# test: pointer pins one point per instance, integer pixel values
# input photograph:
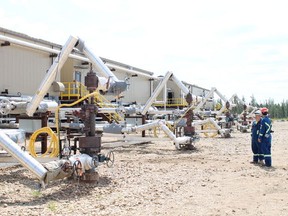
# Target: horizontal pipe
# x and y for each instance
(132, 72)
(87, 162)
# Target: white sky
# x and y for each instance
(236, 46)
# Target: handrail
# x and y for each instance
(101, 101)
(174, 102)
(75, 90)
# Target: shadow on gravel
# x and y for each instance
(159, 151)
(65, 189)
(268, 169)
(19, 176)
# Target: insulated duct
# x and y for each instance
(23, 157)
(51, 75)
(96, 61)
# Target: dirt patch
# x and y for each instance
(156, 179)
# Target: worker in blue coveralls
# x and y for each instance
(258, 155)
(265, 136)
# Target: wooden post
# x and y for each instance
(143, 122)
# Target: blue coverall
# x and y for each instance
(265, 139)
(256, 146)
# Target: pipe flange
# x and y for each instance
(5, 106)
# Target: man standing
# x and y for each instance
(258, 155)
(265, 136)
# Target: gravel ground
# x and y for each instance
(156, 179)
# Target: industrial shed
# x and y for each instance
(22, 70)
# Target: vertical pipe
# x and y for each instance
(165, 96)
(143, 123)
(92, 117)
(44, 120)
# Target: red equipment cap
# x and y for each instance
(264, 110)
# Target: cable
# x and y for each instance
(53, 147)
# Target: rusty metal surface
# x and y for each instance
(91, 81)
(90, 177)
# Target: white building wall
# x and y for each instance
(138, 90)
(22, 69)
(199, 91)
(171, 87)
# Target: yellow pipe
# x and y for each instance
(69, 105)
(54, 145)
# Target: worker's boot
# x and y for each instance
(261, 163)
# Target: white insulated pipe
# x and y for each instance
(180, 84)
(109, 110)
(200, 105)
(160, 123)
(251, 114)
(20, 107)
(160, 112)
(132, 72)
(140, 127)
(51, 75)
(208, 120)
(156, 92)
(16, 99)
(177, 140)
(27, 44)
(220, 95)
(87, 162)
(225, 101)
(23, 157)
(165, 95)
(166, 130)
(212, 121)
(96, 61)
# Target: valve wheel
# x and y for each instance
(110, 158)
(5, 106)
(77, 169)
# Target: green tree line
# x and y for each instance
(276, 110)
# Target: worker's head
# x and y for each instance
(264, 111)
(258, 114)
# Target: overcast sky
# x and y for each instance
(236, 46)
